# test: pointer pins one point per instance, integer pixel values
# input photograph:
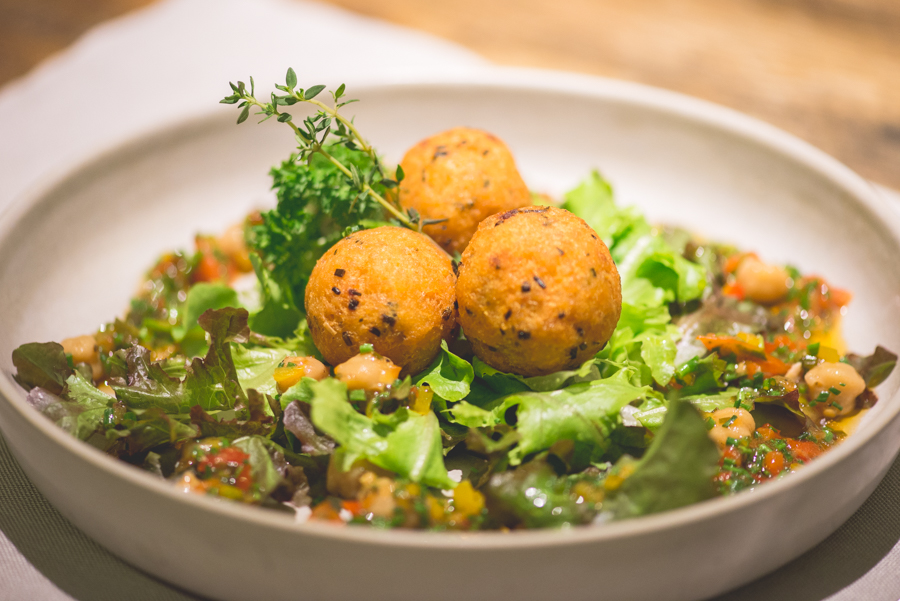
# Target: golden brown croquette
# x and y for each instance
(538, 291)
(462, 175)
(389, 287)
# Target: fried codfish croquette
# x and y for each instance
(389, 287)
(538, 291)
(462, 175)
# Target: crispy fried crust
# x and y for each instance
(389, 287)
(463, 175)
(538, 291)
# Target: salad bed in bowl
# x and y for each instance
(370, 405)
(69, 255)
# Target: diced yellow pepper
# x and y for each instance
(287, 376)
(422, 401)
(467, 500)
(614, 481)
(436, 509)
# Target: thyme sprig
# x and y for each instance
(313, 132)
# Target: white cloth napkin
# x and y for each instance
(172, 60)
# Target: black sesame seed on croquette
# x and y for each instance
(402, 276)
(561, 317)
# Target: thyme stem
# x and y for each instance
(310, 143)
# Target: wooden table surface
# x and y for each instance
(825, 70)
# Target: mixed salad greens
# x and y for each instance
(200, 383)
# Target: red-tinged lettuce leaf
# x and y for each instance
(146, 384)
(72, 417)
(298, 423)
(209, 425)
(83, 411)
(147, 430)
(212, 382)
(874, 368)
(42, 364)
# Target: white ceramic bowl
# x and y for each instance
(72, 253)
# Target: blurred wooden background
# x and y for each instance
(826, 70)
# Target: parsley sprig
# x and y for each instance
(313, 132)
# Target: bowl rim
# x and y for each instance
(524, 80)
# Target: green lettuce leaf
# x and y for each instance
(654, 274)
(406, 443)
(279, 315)
(448, 375)
(677, 470)
(200, 298)
(584, 413)
(653, 414)
(148, 429)
(93, 404)
(511, 497)
(506, 383)
(265, 475)
(255, 366)
(41, 364)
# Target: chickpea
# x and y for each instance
(377, 495)
(761, 282)
(84, 350)
(731, 423)
(793, 373)
(368, 372)
(294, 369)
(828, 377)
